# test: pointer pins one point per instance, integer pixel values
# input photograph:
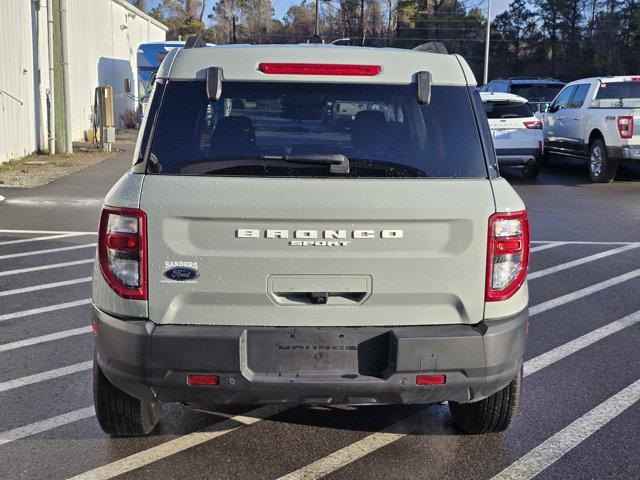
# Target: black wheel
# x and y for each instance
(119, 414)
(601, 168)
(533, 170)
(493, 414)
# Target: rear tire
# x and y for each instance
(493, 414)
(601, 168)
(532, 171)
(119, 414)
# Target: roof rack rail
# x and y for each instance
(432, 47)
(195, 41)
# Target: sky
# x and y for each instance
(281, 6)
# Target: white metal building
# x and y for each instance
(103, 38)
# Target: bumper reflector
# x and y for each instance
(431, 379)
(202, 379)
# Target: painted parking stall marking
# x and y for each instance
(20, 271)
(28, 342)
(569, 437)
(50, 308)
(44, 376)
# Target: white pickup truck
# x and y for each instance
(599, 119)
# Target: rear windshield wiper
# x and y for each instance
(338, 163)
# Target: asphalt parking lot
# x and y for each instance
(580, 412)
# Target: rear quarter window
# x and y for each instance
(618, 90)
(256, 126)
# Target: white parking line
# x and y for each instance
(558, 353)
(547, 246)
(359, 449)
(179, 444)
(46, 425)
(52, 232)
(44, 338)
(46, 267)
(40, 239)
(584, 292)
(50, 250)
(50, 308)
(44, 376)
(581, 261)
(56, 201)
(549, 451)
(45, 286)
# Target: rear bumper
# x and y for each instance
(517, 157)
(627, 152)
(309, 365)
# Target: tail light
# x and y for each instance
(320, 69)
(535, 124)
(122, 251)
(625, 126)
(507, 255)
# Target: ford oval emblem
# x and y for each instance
(181, 273)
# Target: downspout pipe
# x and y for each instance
(52, 106)
(68, 143)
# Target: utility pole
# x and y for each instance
(64, 31)
(486, 45)
(317, 32)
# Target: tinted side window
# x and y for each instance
(563, 98)
(617, 90)
(579, 97)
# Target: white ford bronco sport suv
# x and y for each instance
(256, 254)
(597, 118)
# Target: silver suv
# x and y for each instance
(256, 253)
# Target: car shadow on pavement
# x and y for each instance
(431, 419)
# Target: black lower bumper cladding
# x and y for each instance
(309, 365)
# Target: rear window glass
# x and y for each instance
(617, 90)
(264, 128)
(536, 92)
(507, 110)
